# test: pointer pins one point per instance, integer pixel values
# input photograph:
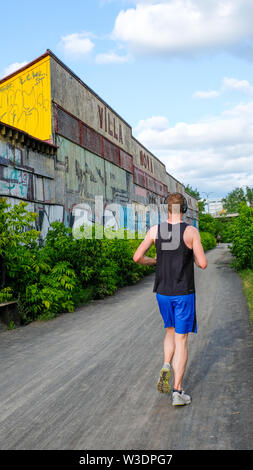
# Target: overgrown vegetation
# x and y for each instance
(208, 240)
(232, 201)
(66, 271)
(237, 231)
(241, 235)
(247, 280)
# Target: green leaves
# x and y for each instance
(208, 240)
(241, 233)
(62, 272)
(233, 200)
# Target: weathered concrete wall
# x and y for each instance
(29, 175)
(75, 107)
(74, 96)
(25, 173)
(70, 93)
(97, 156)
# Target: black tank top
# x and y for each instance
(174, 273)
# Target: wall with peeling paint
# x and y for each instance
(87, 132)
(97, 154)
(28, 175)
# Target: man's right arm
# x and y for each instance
(199, 254)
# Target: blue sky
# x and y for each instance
(178, 71)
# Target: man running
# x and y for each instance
(178, 246)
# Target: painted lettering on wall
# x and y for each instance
(146, 161)
(109, 124)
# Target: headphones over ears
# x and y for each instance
(185, 206)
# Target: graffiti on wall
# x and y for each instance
(15, 182)
(47, 213)
(25, 100)
(9, 152)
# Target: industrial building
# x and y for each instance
(213, 206)
(61, 146)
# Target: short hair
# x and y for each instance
(175, 198)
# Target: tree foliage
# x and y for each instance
(232, 201)
(65, 272)
(241, 232)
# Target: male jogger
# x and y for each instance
(178, 246)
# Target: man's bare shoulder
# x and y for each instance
(190, 234)
(153, 232)
(191, 230)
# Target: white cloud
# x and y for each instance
(237, 85)
(112, 58)
(228, 84)
(155, 122)
(13, 67)
(77, 44)
(214, 153)
(206, 94)
(184, 26)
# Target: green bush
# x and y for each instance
(207, 223)
(241, 234)
(247, 280)
(208, 240)
(64, 271)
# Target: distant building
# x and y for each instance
(213, 206)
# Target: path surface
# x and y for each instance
(87, 380)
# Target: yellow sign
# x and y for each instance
(25, 100)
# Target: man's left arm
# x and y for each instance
(139, 255)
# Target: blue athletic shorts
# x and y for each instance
(178, 311)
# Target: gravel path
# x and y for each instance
(87, 380)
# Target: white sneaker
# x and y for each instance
(180, 398)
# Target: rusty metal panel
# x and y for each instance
(90, 139)
(126, 161)
(68, 126)
(139, 177)
(150, 183)
(159, 189)
(111, 152)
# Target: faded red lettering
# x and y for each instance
(109, 125)
(141, 157)
(120, 134)
(105, 121)
(100, 112)
(114, 129)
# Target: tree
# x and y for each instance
(195, 193)
(232, 201)
(249, 195)
(241, 231)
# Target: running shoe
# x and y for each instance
(163, 383)
(180, 398)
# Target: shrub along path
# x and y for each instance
(87, 380)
